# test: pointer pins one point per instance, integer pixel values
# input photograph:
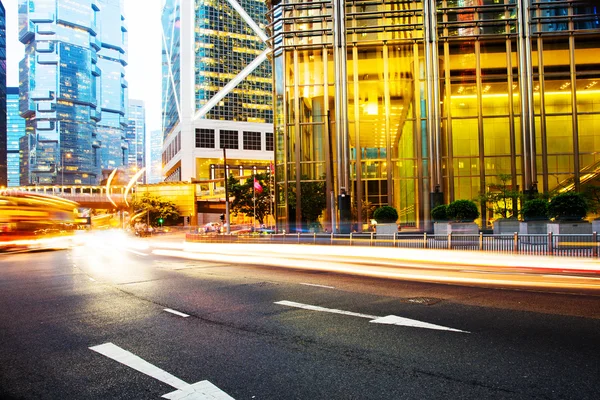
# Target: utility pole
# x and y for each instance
(226, 192)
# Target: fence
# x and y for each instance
(546, 244)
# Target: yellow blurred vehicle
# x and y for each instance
(27, 219)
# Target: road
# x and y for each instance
(108, 321)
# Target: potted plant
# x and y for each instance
(460, 215)
(501, 200)
(535, 217)
(439, 215)
(567, 210)
(386, 217)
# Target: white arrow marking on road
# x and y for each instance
(388, 320)
(203, 390)
(176, 312)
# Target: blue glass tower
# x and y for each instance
(136, 136)
(3, 177)
(72, 89)
(15, 129)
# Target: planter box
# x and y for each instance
(533, 227)
(386, 229)
(570, 228)
(460, 228)
(506, 225)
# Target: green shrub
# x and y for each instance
(462, 211)
(385, 215)
(440, 213)
(570, 206)
(535, 210)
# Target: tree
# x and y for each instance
(313, 201)
(243, 194)
(592, 195)
(502, 200)
(156, 208)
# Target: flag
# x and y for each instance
(257, 187)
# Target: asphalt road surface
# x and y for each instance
(102, 321)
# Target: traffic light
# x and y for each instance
(222, 217)
(160, 221)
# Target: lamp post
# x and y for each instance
(62, 167)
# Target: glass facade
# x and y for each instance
(72, 89)
(226, 44)
(155, 171)
(377, 110)
(3, 134)
(15, 129)
(136, 136)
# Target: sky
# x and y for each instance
(144, 70)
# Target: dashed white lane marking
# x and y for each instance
(388, 320)
(315, 285)
(176, 312)
(137, 252)
(203, 390)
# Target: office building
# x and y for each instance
(3, 155)
(414, 104)
(217, 91)
(15, 129)
(73, 91)
(154, 171)
(136, 137)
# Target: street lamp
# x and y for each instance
(62, 167)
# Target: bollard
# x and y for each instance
(350, 238)
(424, 240)
(450, 241)
(515, 242)
(480, 240)
(550, 250)
(595, 248)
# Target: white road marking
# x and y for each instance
(203, 390)
(394, 320)
(137, 252)
(92, 279)
(389, 320)
(321, 286)
(176, 312)
(322, 309)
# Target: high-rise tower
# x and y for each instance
(72, 89)
(15, 129)
(136, 136)
(216, 88)
(3, 170)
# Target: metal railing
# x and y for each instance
(544, 244)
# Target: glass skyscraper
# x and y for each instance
(416, 103)
(3, 169)
(217, 90)
(15, 129)
(73, 91)
(154, 171)
(136, 136)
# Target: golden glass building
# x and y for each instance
(412, 103)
